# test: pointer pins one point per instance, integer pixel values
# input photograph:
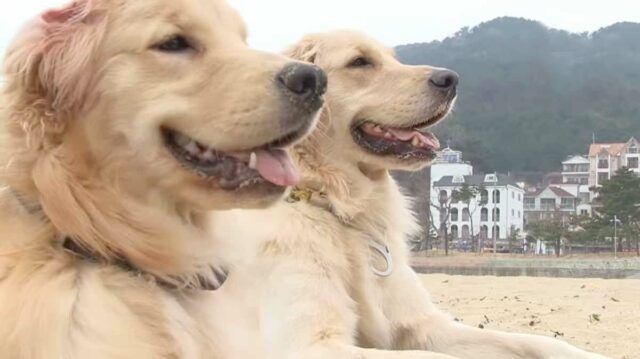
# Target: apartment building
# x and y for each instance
(607, 158)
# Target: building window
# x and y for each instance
(513, 195)
(519, 214)
(454, 215)
(548, 204)
(495, 232)
(603, 163)
(633, 149)
(496, 196)
(465, 232)
(484, 232)
(529, 203)
(519, 197)
(632, 162)
(465, 215)
(567, 203)
(584, 212)
(496, 214)
(584, 180)
(491, 178)
(603, 177)
(484, 215)
(454, 232)
(513, 213)
(484, 196)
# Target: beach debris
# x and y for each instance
(534, 320)
(615, 300)
(486, 321)
(557, 334)
(594, 317)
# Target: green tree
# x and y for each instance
(551, 231)
(513, 238)
(619, 198)
(443, 206)
(469, 194)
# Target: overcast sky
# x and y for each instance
(274, 24)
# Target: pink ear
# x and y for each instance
(58, 15)
(65, 14)
(53, 56)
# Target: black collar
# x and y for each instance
(72, 247)
(201, 283)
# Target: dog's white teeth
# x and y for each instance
(389, 136)
(208, 155)
(253, 161)
(415, 142)
(192, 147)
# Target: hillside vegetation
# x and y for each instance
(531, 95)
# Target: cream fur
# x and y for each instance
(305, 288)
(86, 96)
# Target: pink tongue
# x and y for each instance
(403, 135)
(276, 167)
(426, 139)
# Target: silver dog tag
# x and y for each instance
(384, 251)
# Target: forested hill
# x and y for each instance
(531, 95)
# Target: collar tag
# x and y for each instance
(384, 251)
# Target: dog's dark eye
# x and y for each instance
(174, 44)
(359, 62)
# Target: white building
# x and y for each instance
(496, 211)
(575, 170)
(551, 202)
(449, 163)
(606, 158)
(575, 180)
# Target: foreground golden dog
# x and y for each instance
(127, 120)
(328, 275)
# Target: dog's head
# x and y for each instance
(162, 98)
(377, 108)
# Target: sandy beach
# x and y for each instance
(596, 314)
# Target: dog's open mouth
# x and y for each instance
(403, 143)
(266, 165)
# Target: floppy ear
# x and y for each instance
(306, 50)
(48, 66)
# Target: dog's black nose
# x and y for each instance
(444, 80)
(307, 81)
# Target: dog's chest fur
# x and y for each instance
(388, 221)
(57, 306)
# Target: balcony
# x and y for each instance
(575, 168)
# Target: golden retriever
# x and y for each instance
(126, 121)
(327, 276)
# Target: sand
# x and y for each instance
(595, 314)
